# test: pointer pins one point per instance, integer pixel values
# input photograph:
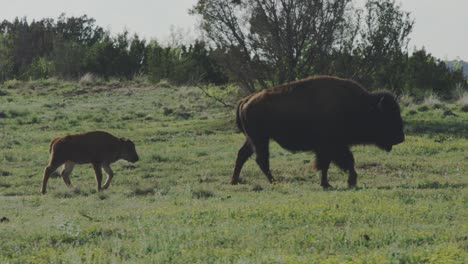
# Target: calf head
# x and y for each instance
(128, 151)
(389, 123)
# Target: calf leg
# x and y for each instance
(66, 172)
(345, 160)
(263, 156)
(322, 163)
(98, 172)
(53, 165)
(242, 156)
(110, 175)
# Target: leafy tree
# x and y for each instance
(39, 68)
(121, 59)
(160, 61)
(182, 64)
(31, 46)
(137, 55)
(99, 57)
(383, 45)
(268, 42)
(204, 60)
(426, 74)
(274, 41)
(195, 64)
(82, 30)
(27, 42)
(67, 59)
(6, 63)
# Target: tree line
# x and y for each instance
(255, 43)
(70, 47)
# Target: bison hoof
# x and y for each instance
(327, 186)
(234, 182)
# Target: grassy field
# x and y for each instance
(175, 205)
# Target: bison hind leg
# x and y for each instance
(242, 156)
(66, 172)
(51, 168)
(110, 175)
(345, 160)
(263, 157)
(98, 171)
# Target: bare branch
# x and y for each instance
(213, 97)
(197, 82)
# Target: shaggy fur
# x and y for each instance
(323, 114)
(96, 147)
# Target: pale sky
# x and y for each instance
(441, 26)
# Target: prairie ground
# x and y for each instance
(175, 205)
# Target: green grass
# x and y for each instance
(175, 204)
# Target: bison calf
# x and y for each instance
(324, 114)
(96, 147)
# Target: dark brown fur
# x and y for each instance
(323, 114)
(96, 147)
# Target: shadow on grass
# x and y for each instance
(202, 194)
(455, 128)
(420, 186)
(427, 185)
(71, 193)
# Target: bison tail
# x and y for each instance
(240, 110)
(52, 144)
(238, 117)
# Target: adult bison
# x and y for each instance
(325, 115)
(96, 147)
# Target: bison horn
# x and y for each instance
(381, 103)
(378, 107)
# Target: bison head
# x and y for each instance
(388, 121)
(128, 150)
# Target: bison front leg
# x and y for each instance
(242, 156)
(345, 160)
(98, 172)
(47, 172)
(110, 175)
(322, 163)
